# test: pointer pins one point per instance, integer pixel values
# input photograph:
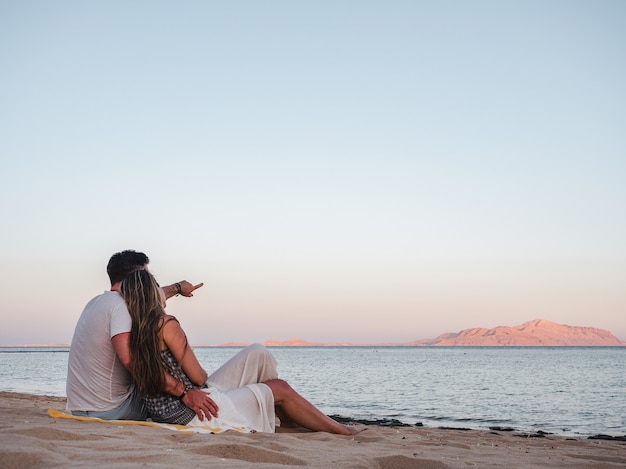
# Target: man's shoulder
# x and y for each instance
(107, 297)
(108, 301)
(106, 312)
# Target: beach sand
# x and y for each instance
(29, 438)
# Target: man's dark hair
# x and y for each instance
(125, 262)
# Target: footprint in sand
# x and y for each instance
(52, 434)
(404, 462)
(17, 459)
(250, 454)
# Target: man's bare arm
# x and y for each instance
(195, 399)
(183, 287)
(121, 344)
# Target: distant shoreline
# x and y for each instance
(65, 348)
(535, 333)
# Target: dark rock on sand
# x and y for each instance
(607, 437)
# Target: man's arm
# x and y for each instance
(122, 348)
(195, 399)
(180, 288)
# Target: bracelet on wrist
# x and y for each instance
(178, 288)
(187, 388)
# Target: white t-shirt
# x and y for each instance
(96, 379)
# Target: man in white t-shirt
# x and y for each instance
(98, 381)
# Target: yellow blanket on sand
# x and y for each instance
(57, 414)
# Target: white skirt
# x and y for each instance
(244, 402)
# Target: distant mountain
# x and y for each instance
(290, 343)
(533, 333)
(279, 343)
(538, 332)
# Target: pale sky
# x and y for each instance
(352, 171)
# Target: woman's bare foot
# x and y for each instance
(354, 431)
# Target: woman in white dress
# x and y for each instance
(246, 389)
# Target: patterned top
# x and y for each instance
(166, 408)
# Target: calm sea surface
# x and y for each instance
(577, 391)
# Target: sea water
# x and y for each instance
(577, 391)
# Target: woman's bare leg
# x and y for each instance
(302, 412)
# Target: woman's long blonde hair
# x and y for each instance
(142, 295)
